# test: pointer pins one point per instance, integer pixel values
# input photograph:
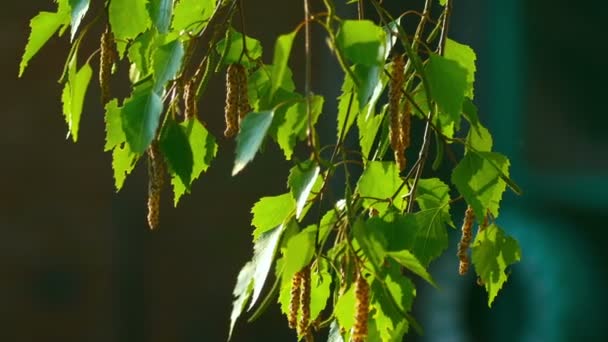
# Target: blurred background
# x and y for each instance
(77, 262)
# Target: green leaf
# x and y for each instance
(235, 50)
(492, 252)
(299, 252)
(320, 290)
(264, 252)
(175, 147)
(465, 56)
(368, 129)
(469, 111)
(344, 310)
(480, 139)
(140, 118)
(167, 63)
(242, 291)
(367, 81)
(478, 179)
(431, 194)
(44, 25)
(380, 181)
(139, 54)
(302, 178)
(204, 149)
(389, 302)
(408, 260)
(282, 50)
(73, 95)
(348, 107)
(362, 42)
(79, 10)
(252, 133)
(270, 212)
(114, 132)
(123, 162)
(161, 12)
(448, 83)
(372, 242)
(189, 14)
(128, 18)
(295, 124)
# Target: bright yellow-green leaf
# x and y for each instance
(191, 14)
(433, 194)
(235, 53)
(282, 50)
(73, 95)
(408, 260)
(448, 83)
(295, 124)
(114, 132)
(270, 212)
(128, 18)
(345, 309)
(362, 42)
(123, 162)
(380, 181)
(465, 56)
(302, 178)
(299, 252)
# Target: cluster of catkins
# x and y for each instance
(300, 302)
(237, 102)
(156, 180)
(400, 116)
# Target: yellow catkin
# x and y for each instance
(394, 100)
(404, 134)
(294, 303)
(465, 241)
(243, 101)
(231, 110)
(361, 309)
(190, 107)
(156, 171)
(106, 60)
(304, 302)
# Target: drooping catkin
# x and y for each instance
(231, 110)
(107, 56)
(304, 302)
(361, 309)
(294, 303)
(243, 101)
(190, 107)
(156, 171)
(465, 241)
(404, 133)
(394, 100)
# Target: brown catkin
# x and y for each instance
(190, 107)
(361, 309)
(294, 303)
(465, 241)
(394, 100)
(156, 171)
(231, 110)
(304, 302)
(243, 101)
(107, 56)
(404, 133)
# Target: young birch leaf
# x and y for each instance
(282, 50)
(123, 162)
(465, 56)
(478, 179)
(79, 10)
(344, 311)
(423, 233)
(299, 252)
(235, 50)
(480, 139)
(161, 12)
(190, 14)
(368, 78)
(320, 290)
(167, 63)
(252, 133)
(362, 42)
(270, 212)
(295, 124)
(175, 147)
(432, 193)
(264, 251)
(302, 178)
(114, 132)
(380, 181)
(492, 252)
(242, 293)
(408, 260)
(128, 18)
(400, 291)
(348, 107)
(448, 83)
(204, 149)
(44, 25)
(73, 95)
(140, 119)
(372, 242)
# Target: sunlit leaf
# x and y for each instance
(299, 252)
(465, 56)
(270, 212)
(190, 14)
(115, 135)
(167, 63)
(235, 53)
(294, 126)
(348, 107)
(128, 18)
(161, 12)
(140, 119)
(372, 242)
(282, 50)
(252, 133)
(345, 309)
(380, 181)
(73, 95)
(448, 82)
(302, 178)
(362, 42)
(264, 251)
(408, 260)
(123, 162)
(242, 292)
(79, 10)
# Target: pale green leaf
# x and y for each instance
(362, 42)
(114, 132)
(270, 212)
(465, 56)
(348, 107)
(44, 25)
(493, 252)
(242, 292)
(390, 301)
(128, 18)
(167, 63)
(253, 131)
(368, 77)
(478, 179)
(175, 147)
(73, 95)
(190, 14)
(235, 53)
(408, 260)
(344, 310)
(140, 119)
(282, 50)
(320, 290)
(380, 181)
(368, 129)
(161, 12)
(302, 178)
(294, 126)
(299, 252)
(79, 10)
(479, 139)
(264, 251)
(431, 194)
(448, 83)
(123, 162)
(204, 149)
